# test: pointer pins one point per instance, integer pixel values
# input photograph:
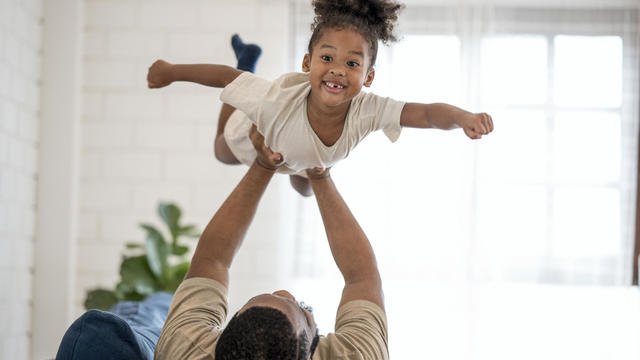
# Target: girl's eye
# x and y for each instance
(352, 63)
(325, 58)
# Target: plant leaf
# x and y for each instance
(123, 289)
(132, 245)
(136, 273)
(189, 230)
(134, 296)
(157, 252)
(152, 231)
(100, 299)
(179, 250)
(170, 214)
(176, 275)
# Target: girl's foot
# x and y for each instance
(247, 54)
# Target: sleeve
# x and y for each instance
(197, 312)
(382, 113)
(360, 333)
(246, 93)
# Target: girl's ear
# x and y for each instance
(306, 63)
(370, 75)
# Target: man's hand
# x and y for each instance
(159, 74)
(266, 158)
(318, 173)
(476, 125)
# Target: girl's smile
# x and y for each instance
(338, 68)
(333, 86)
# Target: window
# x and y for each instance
(548, 198)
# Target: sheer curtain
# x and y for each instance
(547, 199)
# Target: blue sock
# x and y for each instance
(247, 54)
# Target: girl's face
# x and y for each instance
(338, 67)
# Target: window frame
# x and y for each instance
(471, 23)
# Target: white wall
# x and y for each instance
(55, 246)
(137, 147)
(20, 58)
(140, 146)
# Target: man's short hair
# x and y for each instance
(261, 333)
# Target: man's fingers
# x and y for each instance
(256, 138)
(276, 158)
(317, 173)
(264, 152)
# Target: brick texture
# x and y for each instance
(142, 146)
(20, 62)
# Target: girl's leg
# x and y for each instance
(301, 185)
(247, 56)
(220, 147)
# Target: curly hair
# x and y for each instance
(261, 333)
(375, 20)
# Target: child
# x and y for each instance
(315, 118)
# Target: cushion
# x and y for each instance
(130, 330)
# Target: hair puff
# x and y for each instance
(379, 16)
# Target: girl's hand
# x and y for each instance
(476, 125)
(265, 158)
(159, 74)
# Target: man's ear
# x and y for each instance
(306, 63)
(370, 75)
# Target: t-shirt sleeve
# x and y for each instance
(247, 93)
(378, 112)
(197, 312)
(360, 333)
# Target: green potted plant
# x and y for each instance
(155, 265)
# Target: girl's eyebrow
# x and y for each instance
(354, 52)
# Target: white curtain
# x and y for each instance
(548, 198)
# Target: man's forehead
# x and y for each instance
(289, 307)
(271, 300)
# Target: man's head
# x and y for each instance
(269, 326)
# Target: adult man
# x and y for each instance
(275, 326)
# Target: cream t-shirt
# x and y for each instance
(199, 308)
(279, 111)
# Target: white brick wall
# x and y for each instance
(20, 62)
(140, 146)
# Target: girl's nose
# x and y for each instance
(338, 71)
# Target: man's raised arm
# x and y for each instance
(223, 235)
(350, 247)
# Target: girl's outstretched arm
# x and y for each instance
(446, 117)
(163, 73)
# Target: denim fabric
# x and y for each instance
(130, 330)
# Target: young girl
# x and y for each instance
(314, 119)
